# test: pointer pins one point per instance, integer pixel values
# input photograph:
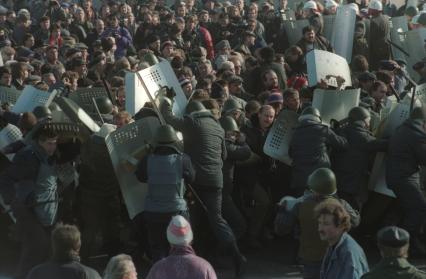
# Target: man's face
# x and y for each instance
(205, 69)
(49, 145)
(235, 88)
(327, 229)
(45, 24)
(168, 50)
(250, 40)
(6, 79)
(100, 26)
(155, 46)
(187, 89)
(292, 102)
(277, 107)
(380, 93)
(266, 118)
(271, 80)
(309, 36)
(52, 55)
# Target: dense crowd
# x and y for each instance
(211, 190)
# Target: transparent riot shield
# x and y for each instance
(32, 97)
(343, 32)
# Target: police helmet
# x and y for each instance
(322, 181)
(42, 112)
(194, 106)
(104, 104)
(418, 113)
(229, 124)
(358, 114)
(231, 105)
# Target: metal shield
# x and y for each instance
(154, 77)
(414, 45)
(278, 140)
(343, 32)
(294, 28)
(335, 104)
(329, 21)
(322, 64)
(121, 143)
(9, 95)
(76, 113)
(377, 182)
(83, 97)
(8, 135)
(399, 26)
(395, 118)
(32, 97)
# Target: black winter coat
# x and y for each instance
(352, 165)
(407, 152)
(308, 149)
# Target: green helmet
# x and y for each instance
(104, 104)
(418, 113)
(194, 106)
(358, 114)
(311, 111)
(42, 112)
(411, 11)
(229, 124)
(150, 58)
(231, 105)
(166, 136)
(322, 181)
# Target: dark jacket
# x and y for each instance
(204, 142)
(407, 152)
(395, 268)
(312, 248)
(320, 43)
(254, 79)
(379, 34)
(237, 151)
(308, 149)
(65, 270)
(352, 165)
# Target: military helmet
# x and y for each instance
(54, 107)
(311, 111)
(150, 58)
(42, 112)
(194, 106)
(165, 134)
(411, 11)
(418, 113)
(229, 124)
(104, 104)
(358, 114)
(322, 181)
(231, 105)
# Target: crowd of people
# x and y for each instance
(213, 192)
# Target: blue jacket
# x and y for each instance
(346, 260)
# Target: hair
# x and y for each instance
(4, 70)
(392, 252)
(213, 106)
(334, 208)
(123, 115)
(293, 50)
(289, 92)
(200, 95)
(18, 69)
(70, 75)
(307, 29)
(359, 63)
(252, 106)
(265, 108)
(118, 267)
(66, 242)
(377, 84)
(268, 71)
(267, 54)
(385, 76)
(27, 121)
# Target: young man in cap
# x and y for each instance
(393, 244)
(344, 258)
(182, 263)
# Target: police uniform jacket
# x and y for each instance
(393, 268)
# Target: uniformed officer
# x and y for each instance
(407, 152)
(165, 170)
(393, 243)
(308, 147)
(351, 165)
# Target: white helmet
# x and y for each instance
(375, 5)
(310, 5)
(330, 3)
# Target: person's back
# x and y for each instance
(71, 269)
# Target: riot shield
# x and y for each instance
(343, 32)
(32, 97)
(76, 113)
(121, 143)
(8, 135)
(154, 77)
(279, 136)
(395, 118)
(335, 104)
(329, 21)
(83, 97)
(9, 95)
(399, 26)
(414, 45)
(294, 29)
(322, 64)
(377, 182)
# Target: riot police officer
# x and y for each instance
(351, 165)
(407, 152)
(308, 147)
(165, 170)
